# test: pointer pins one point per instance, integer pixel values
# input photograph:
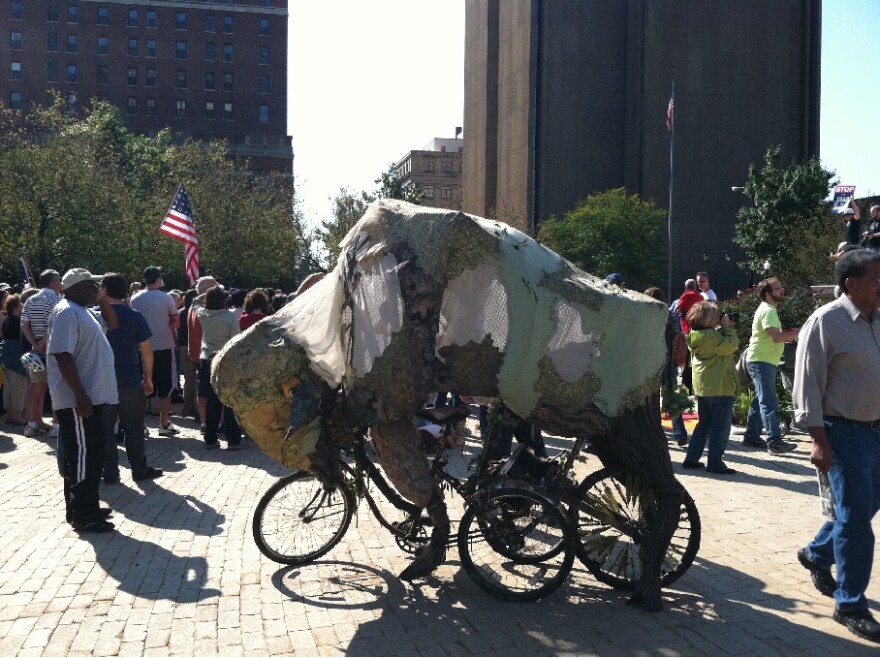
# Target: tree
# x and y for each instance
(392, 187)
(611, 232)
(348, 208)
(788, 223)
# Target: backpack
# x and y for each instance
(742, 374)
(679, 349)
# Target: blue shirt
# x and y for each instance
(124, 340)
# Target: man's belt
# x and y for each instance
(868, 424)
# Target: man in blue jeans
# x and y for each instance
(837, 396)
(762, 358)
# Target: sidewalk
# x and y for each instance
(182, 575)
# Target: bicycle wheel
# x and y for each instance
(516, 544)
(297, 521)
(611, 553)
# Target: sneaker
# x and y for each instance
(755, 443)
(93, 526)
(780, 447)
(860, 623)
(34, 431)
(149, 474)
(168, 430)
(822, 578)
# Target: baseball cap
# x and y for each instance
(615, 278)
(77, 275)
(5, 286)
(849, 211)
(152, 274)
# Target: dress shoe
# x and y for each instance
(149, 474)
(860, 623)
(93, 526)
(688, 464)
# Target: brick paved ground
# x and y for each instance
(183, 576)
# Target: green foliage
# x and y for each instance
(86, 192)
(741, 407)
(348, 208)
(392, 187)
(788, 223)
(611, 232)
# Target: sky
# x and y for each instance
(370, 81)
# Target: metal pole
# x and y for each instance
(669, 213)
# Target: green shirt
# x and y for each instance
(761, 346)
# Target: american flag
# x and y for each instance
(178, 224)
(669, 109)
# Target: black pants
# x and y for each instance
(214, 409)
(132, 410)
(83, 441)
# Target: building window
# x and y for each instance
(132, 105)
(71, 73)
(103, 16)
(227, 82)
(132, 75)
(264, 27)
(460, 166)
(181, 20)
(446, 167)
(446, 193)
(15, 70)
(151, 78)
(228, 23)
(132, 17)
(15, 41)
(151, 107)
(52, 12)
(429, 191)
(180, 108)
(15, 10)
(52, 71)
(151, 19)
(428, 166)
(227, 111)
(51, 42)
(228, 53)
(133, 47)
(180, 50)
(264, 113)
(151, 47)
(265, 84)
(210, 23)
(209, 80)
(102, 74)
(209, 109)
(103, 45)
(180, 79)
(15, 100)
(72, 14)
(210, 51)
(72, 43)
(264, 55)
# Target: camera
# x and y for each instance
(732, 315)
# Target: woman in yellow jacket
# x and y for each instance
(713, 344)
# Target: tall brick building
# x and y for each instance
(565, 98)
(204, 69)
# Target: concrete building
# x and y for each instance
(206, 69)
(565, 98)
(436, 168)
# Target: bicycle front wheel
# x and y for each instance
(609, 521)
(516, 544)
(297, 520)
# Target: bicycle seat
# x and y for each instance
(444, 415)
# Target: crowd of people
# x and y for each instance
(98, 354)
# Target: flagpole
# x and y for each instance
(669, 213)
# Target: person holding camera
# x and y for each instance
(713, 343)
(762, 359)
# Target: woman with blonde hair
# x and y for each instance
(713, 344)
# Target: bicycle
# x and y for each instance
(514, 541)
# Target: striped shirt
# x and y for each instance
(37, 310)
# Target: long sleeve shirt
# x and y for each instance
(837, 368)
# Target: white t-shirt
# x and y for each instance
(157, 308)
(76, 330)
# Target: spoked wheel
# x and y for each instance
(297, 521)
(609, 525)
(516, 544)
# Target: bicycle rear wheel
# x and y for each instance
(297, 520)
(611, 554)
(516, 544)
